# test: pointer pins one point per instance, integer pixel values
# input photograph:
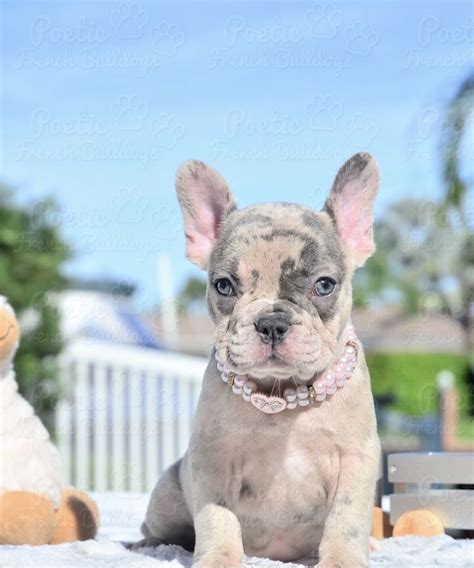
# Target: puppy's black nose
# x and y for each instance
(273, 327)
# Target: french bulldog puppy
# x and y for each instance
(291, 484)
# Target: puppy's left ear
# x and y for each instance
(350, 204)
(205, 201)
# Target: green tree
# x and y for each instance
(452, 138)
(419, 260)
(425, 250)
(454, 127)
(193, 293)
(32, 252)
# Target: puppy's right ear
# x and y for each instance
(205, 201)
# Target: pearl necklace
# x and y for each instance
(325, 385)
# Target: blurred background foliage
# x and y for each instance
(32, 253)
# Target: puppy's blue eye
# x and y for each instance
(224, 287)
(324, 286)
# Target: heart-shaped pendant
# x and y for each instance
(268, 404)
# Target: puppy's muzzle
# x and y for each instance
(273, 327)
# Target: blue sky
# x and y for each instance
(103, 100)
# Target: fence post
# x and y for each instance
(448, 409)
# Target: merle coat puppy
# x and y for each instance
(283, 459)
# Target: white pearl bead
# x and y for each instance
(349, 350)
(249, 387)
(239, 380)
(321, 396)
(331, 389)
(303, 401)
(340, 382)
(246, 397)
(220, 366)
(291, 405)
(236, 389)
(225, 376)
(289, 395)
(343, 359)
(302, 392)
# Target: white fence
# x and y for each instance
(126, 414)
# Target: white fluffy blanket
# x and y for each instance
(121, 514)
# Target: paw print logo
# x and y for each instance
(168, 130)
(427, 122)
(130, 206)
(166, 223)
(324, 21)
(129, 21)
(167, 38)
(361, 40)
(361, 129)
(130, 113)
(324, 112)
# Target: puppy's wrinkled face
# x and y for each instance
(278, 290)
(279, 287)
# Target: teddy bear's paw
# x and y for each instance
(78, 517)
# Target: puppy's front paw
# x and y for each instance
(340, 563)
(342, 560)
(225, 558)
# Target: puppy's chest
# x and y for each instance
(282, 498)
(291, 477)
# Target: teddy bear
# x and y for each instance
(35, 508)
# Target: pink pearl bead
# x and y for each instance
(331, 389)
(320, 397)
(319, 387)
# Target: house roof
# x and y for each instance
(103, 317)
